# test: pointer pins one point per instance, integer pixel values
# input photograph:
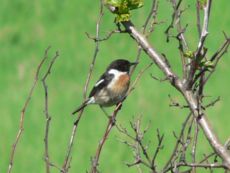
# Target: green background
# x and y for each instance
(26, 30)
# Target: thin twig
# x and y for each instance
(198, 17)
(21, 123)
(47, 115)
(217, 56)
(200, 54)
(194, 146)
(159, 147)
(177, 143)
(204, 32)
(55, 166)
(138, 78)
(176, 104)
(104, 38)
(212, 103)
(65, 166)
(152, 14)
(111, 123)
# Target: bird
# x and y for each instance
(112, 86)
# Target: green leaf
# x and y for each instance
(134, 4)
(122, 18)
(189, 54)
(123, 8)
(202, 3)
(115, 3)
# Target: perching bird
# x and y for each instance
(112, 86)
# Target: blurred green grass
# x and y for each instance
(28, 27)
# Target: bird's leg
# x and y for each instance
(106, 114)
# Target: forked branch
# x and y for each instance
(22, 117)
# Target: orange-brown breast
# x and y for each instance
(121, 84)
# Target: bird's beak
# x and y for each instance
(133, 63)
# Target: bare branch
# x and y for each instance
(216, 57)
(136, 128)
(21, 123)
(175, 16)
(204, 31)
(179, 85)
(109, 127)
(159, 147)
(212, 103)
(104, 38)
(54, 166)
(177, 142)
(198, 24)
(47, 115)
(211, 165)
(176, 104)
(157, 79)
(152, 14)
(65, 166)
(194, 146)
(138, 78)
(200, 53)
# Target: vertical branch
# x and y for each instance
(199, 54)
(198, 17)
(47, 115)
(21, 123)
(136, 144)
(159, 146)
(175, 150)
(111, 123)
(194, 146)
(177, 19)
(183, 45)
(204, 32)
(65, 166)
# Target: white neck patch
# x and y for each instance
(116, 74)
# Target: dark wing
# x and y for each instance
(101, 83)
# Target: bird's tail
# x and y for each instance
(84, 104)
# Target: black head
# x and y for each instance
(121, 65)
